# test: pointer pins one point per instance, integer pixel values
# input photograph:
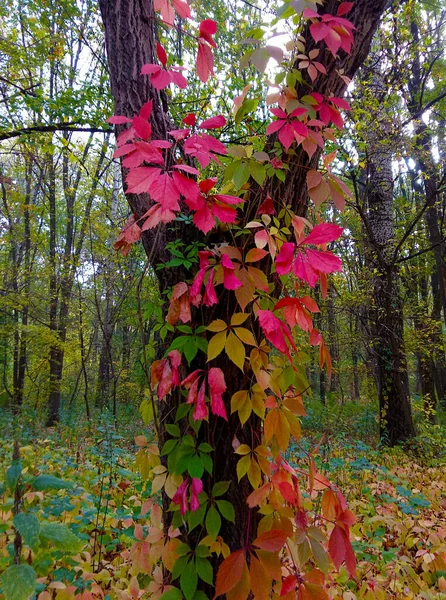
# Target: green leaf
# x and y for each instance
(204, 570)
(207, 463)
(168, 447)
(200, 596)
(196, 517)
(62, 537)
(320, 556)
(179, 566)
(13, 474)
(213, 522)
(202, 551)
(18, 582)
(195, 467)
(257, 171)
(173, 430)
(241, 175)
(220, 488)
(189, 580)
(49, 482)
(226, 509)
(172, 594)
(182, 411)
(182, 549)
(190, 349)
(205, 447)
(29, 527)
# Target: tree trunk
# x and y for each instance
(387, 325)
(130, 42)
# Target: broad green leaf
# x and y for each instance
(13, 473)
(172, 594)
(241, 175)
(195, 466)
(29, 527)
(204, 570)
(18, 582)
(257, 171)
(226, 509)
(168, 447)
(220, 488)
(189, 580)
(173, 430)
(62, 537)
(179, 566)
(196, 517)
(213, 522)
(49, 482)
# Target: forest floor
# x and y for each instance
(83, 495)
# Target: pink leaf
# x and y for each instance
(208, 28)
(217, 387)
(205, 62)
(325, 262)
(118, 120)
(146, 110)
(213, 123)
(161, 80)
(139, 180)
(142, 127)
(344, 8)
(285, 258)
(182, 8)
(323, 234)
(161, 54)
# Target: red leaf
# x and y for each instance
(325, 262)
(230, 572)
(146, 110)
(288, 585)
(161, 54)
(213, 123)
(118, 120)
(142, 127)
(182, 8)
(285, 258)
(208, 28)
(344, 8)
(190, 119)
(323, 234)
(205, 62)
(139, 180)
(271, 541)
(217, 387)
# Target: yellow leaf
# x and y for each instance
(238, 319)
(294, 424)
(245, 335)
(243, 449)
(243, 466)
(254, 474)
(283, 432)
(216, 345)
(245, 411)
(238, 399)
(217, 326)
(235, 350)
(258, 401)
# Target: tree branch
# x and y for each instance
(7, 135)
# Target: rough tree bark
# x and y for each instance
(386, 313)
(130, 35)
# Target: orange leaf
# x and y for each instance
(230, 572)
(243, 587)
(271, 541)
(255, 254)
(261, 582)
(245, 294)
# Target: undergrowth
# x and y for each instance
(82, 492)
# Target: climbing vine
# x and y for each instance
(264, 269)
